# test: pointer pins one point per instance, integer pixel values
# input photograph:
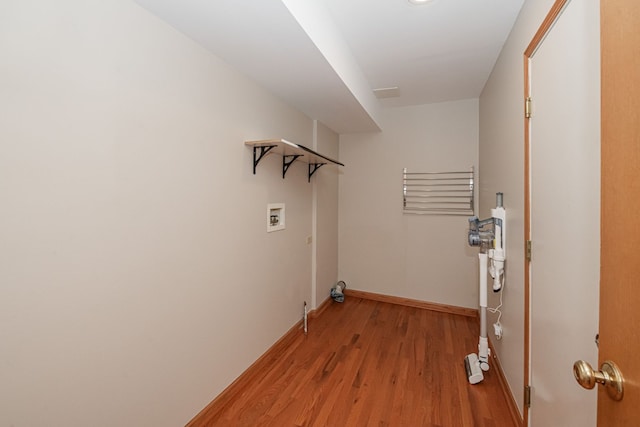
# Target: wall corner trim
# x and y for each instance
(433, 306)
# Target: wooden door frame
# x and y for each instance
(536, 41)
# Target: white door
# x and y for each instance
(565, 215)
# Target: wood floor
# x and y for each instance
(369, 363)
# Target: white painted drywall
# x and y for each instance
(314, 17)
(137, 279)
(385, 251)
(502, 169)
(325, 219)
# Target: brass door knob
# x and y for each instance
(609, 375)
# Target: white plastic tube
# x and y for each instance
(482, 258)
(483, 344)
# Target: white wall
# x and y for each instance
(385, 251)
(325, 216)
(502, 169)
(502, 163)
(137, 279)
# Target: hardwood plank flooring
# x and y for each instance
(370, 363)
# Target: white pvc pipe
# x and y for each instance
(482, 258)
(483, 345)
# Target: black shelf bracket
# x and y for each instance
(313, 167)
(264, 149)
(290, 152)
(287, 160)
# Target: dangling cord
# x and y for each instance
(497, 309)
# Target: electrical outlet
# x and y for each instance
(497, 329)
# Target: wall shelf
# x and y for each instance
(290, 152)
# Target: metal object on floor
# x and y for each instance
(337, 291)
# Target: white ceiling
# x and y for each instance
(326, 57)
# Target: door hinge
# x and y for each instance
(527, 107)
(528, 250)
(527, 396)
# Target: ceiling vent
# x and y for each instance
(387, 92)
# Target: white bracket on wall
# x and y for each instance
(290, 152)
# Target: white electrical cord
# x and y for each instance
(497, 325)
